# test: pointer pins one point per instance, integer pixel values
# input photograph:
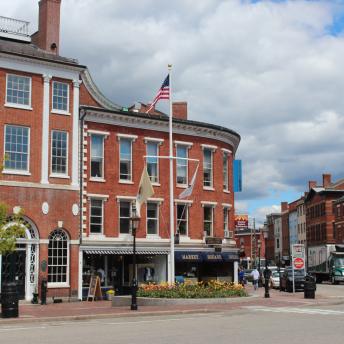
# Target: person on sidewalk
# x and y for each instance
(241, 276)
(255, 277)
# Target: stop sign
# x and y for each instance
(299, 263)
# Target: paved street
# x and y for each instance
(250, 324)
(285, 318)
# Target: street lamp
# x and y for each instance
(267, 272)
(259, 244)
(135, 220)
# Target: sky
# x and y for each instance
(273, 71)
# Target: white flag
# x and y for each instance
(188, 191)
(145, 190)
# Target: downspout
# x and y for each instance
(82, 115)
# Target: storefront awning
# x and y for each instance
(208, 257)
(126, 251)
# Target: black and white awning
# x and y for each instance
(124, 251)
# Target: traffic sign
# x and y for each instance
(299, 263)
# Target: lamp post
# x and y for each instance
(267, 272)
(134, 220)
(259, 244)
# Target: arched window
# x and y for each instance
(58, 257)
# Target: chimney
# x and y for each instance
(48, 35)
(311, 184)
(284, 206)
(326, 180)
(180, 110)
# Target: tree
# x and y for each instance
(11, 228)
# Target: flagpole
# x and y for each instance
(171, 275)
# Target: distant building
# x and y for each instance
(338, 211)
(293, 237)
(285, 233)
(301, 221)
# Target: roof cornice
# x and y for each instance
(95, 92)
(183, 127)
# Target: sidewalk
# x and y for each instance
(103, 309)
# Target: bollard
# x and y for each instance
(44, 287)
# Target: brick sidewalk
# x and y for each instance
(103, 309)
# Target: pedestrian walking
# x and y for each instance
(241, 276)
(255, 277)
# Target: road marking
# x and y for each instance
(7, 329)
(295, 310)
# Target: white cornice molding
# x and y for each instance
(95, 92)
(38, 185)
(97, 132)
(40, 67)
(149, 123)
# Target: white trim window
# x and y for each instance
(96, 216)
(182, 165)
(124, 216)
(152, 218)
(183, 219)
(97, 156)
(125, 159)
(208, 167)
(18, 90)
(58, 258)
(60, 101)
(59, 152)
(208, 220)
(153, 161)
(225, 172)
(17, 148)
(225, 219)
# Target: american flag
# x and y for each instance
(163, 93)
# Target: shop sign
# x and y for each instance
(213, 241)
(213, 257)
(241, 221)
(187, 256)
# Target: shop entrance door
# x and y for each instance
(13, 269)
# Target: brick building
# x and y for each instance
(39, 126)
(320, 217)
(285, 233)
(115, 143)
(338, 229)
(43, 97)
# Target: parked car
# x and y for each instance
(275, 280)
(286, 280)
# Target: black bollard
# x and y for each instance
(44, 287)
(9, 298)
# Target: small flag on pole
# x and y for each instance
(145, 190)
(188, 191)
(163, 93)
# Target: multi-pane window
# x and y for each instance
(225, 171)
(225, 219)
(152, 161)
(182, 165)
(182, 219)
(124, 217)
(60, 96)
(207, 167)
(152, 218)
(96, 216)
(97, 156)
(208, 220)
(18, 90)
(58, 256)
(16, 148)
(59, 148)
(125, 159)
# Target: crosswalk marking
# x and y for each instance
(295, 310)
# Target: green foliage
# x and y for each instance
(11, 228)
(211, 289)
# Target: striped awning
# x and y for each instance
(121, 251)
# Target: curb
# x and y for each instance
(103, 316)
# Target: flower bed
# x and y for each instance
(200, 290)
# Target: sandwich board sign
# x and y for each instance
(94, 290)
